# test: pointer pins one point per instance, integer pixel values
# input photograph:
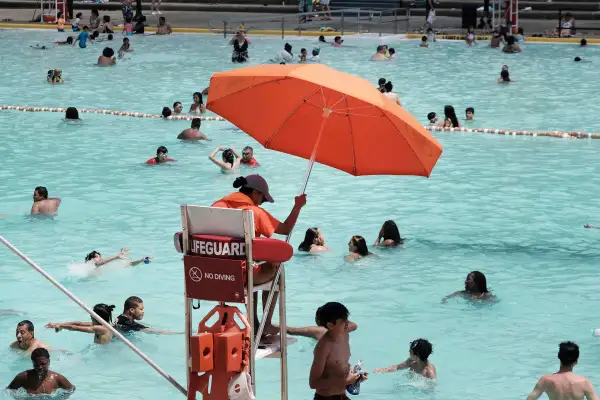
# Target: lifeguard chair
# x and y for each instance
(219, 246)
(51, 8)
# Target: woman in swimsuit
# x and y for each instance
(450, 120)
(358, 248)
(231, 159)
(240, 43)
(389, 234)
(313, 241)
(102, 335)
(198, 106)
(475, 288)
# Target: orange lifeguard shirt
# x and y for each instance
(264, 223)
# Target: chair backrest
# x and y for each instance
(203, 220)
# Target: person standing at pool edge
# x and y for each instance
(254, 191)
(40, 379)
(42, 204)
(564, 384)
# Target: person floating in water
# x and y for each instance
(66, 42)
(357, 248)
(475, 288)
(564, 384)
(240, 43)
(83, 38)
(42, 204)
(248, 157)
(390, 235)
(102, 335)
(133, 310)
(193, 133)
(26, 340)
(313, 241)
(98, 261)
(162, 157)
(330, 371)
(231, 159)
(417, 361)
(41, 380)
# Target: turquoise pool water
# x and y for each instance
(512, 208)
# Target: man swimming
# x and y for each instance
(133, 310)
(193, 133)
(40, 379)
(42, 204)
(26, 340)
(564, 384)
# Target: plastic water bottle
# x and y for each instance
(354, 388)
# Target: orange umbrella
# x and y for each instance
(318, 113)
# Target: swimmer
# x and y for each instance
(83, 38)
(433, 118)
(133, 310)
(470, 113)
(330, 371)
(128, 27)
(285, 55)
(591, 226)
(322, 39)
(337, 41)
(379, 54)
(240, 43)
(248, 157)
(166, 112)
(107, 58)
(470, 37)
(389, 234)
(564, 384)
(56, 76)
(583, 43)
(163, 28)
(231, 159)
(193, 133)
(357, 248)
(42, 205)
(197, 106)
(102, 335)
(381, 82)
(511, 46)
(109, 37)
(450, 120)
(315, 55)
(313, 241)
(424, 42)
(162, 157)
(579, 59)
(177, 107)
(302, 56)
(41, 380)
(68, 41)
(390, 94)
(417, 360)
(504, 77)
(392, 52)
(26, 340)
(125, 47)
(475, 288)
(98, 261)
(71, 114)
(38, 47)
(504, 67)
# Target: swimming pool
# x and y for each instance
(512, 208)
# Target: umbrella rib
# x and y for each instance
(409, 146)
(305, 101)
(345, 99)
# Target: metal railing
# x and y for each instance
(349, 19)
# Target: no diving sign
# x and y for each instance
(214, 279)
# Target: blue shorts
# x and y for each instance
(61, 30)
(82, 46)
(75, 29)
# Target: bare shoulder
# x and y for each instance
(14, 345)
(323, 345)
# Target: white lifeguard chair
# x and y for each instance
(218, 244)
(50, 10)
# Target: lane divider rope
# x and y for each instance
(511, 132)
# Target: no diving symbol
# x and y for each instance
(195, 274)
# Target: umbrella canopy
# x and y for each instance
(298, 108)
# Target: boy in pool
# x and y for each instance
(102, 335)
(83, 38)
(417, 360)
(330, 372)
(424, 42)
(433, 118)
(470, 113)
(40, 380)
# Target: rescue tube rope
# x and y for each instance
(110, 112)
(556, 134)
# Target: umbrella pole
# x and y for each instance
(313, 156)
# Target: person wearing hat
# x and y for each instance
(254, 191)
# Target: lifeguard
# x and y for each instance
(254, 190)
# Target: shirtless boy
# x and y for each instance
(330, 372)
(40, 380)
(42, 204)
(102, 335)
(25, 338)
(564, 384)
(418, 353)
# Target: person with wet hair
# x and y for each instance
(253, 192)
(357, 248)
(390, 235)
(475, 288)
(313, 241)
(248, 157)
(102, 335)
(26, 341)
(193, 132)
(417, 361)
(98, 261)
(42, 204)
(504, 77)
(197, 107)
(107, 58)
(41, 380)
(433, 118)
(231, 159)
(162, 157)
(450, 120)
(564, 384)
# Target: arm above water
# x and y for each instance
(121, 255)
(538, 390)
(64, 383)
(219, 162)
(393, 368)
(18, 382)
(455, 294)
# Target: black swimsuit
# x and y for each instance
(240, 52)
